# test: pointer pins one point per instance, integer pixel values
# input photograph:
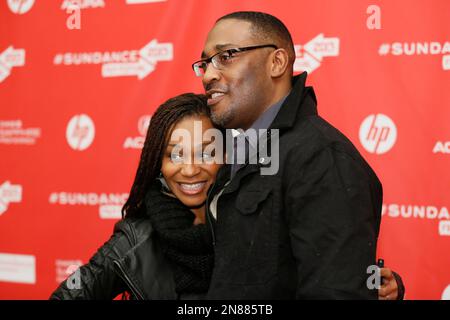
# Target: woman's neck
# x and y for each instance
(199, 215)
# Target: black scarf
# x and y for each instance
(189, 247)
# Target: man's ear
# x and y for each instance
(280, 61)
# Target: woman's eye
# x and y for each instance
(207, 155)
(176, 157)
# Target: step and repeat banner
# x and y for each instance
(79, 82)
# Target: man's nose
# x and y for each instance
(211, 74)
(190, 169)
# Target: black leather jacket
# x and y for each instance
(130, 261)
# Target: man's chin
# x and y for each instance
(220, 121)
(220, 116)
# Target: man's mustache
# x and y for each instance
(213, 86)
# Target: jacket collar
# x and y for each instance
(294, 105)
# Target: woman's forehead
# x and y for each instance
(192, 130)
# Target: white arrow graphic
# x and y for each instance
(304, 61)
(310, 55)
(3, 207)
(150, 54)
(10, 58)
(145, 68)
(13, 57)
(154, 51)
(9, 193)
(320, 47)
(446, 62)
(141, 69)
(4, 72)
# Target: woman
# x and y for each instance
(162, 248)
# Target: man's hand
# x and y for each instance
(389, 287)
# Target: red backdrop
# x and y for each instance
(74, 105)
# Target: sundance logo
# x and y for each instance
(110, 204)
(9, 59)
(420, 212)
(138, 142)
(414, 211)
(20, 6)
(378, 133)
(80, 132)
(414, 48)
(139, 63)
(9, 193)
(310, 56)
(417, 49)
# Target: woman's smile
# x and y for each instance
(192, 188)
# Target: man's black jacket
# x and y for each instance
(309, 231)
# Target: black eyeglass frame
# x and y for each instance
(230, 52)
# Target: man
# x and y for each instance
(309, 230)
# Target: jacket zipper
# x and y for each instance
(209, 216)
(128, 281)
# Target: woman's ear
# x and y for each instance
(280, 61)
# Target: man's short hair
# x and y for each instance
(266, 27)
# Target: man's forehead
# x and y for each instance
(227, 33)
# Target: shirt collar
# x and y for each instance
(263, 122)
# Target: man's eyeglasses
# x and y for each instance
(221, 59)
